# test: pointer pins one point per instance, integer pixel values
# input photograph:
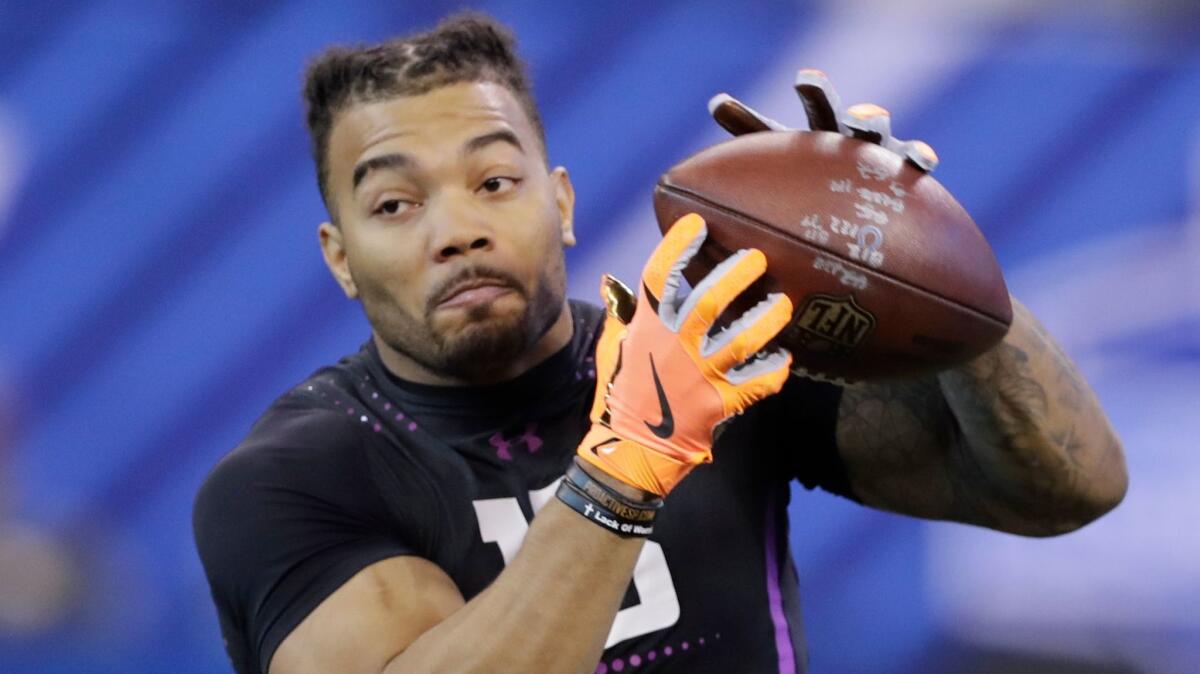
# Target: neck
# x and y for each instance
(550, 343)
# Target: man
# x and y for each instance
(381, 515)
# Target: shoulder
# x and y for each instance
(589, 319)
(819, 398)
(801, 403)
(291, 514)
(306, 424)
(314, 420)
(798, 429)
(304, 448)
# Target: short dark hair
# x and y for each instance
(466, 47)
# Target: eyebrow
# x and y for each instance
(395, 160)
(502, 136)
(384, 161)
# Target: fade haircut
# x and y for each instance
(467, 47)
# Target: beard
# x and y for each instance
(484, 341)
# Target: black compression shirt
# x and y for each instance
(354, 466)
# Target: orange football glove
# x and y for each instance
(663, 385)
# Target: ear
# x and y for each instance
(334, 251)
(564, 196)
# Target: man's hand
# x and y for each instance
(864, 121)
(663, 384)
(1013, 440)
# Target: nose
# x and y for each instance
(459, 230)
(454, 248)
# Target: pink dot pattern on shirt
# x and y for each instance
(635, 659)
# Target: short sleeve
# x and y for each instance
(281, 523)
(806, 414)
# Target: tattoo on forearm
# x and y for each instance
(897, 440)
(1035, 425)
(1014, 439)
(1004, 412)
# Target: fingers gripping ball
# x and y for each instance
(664, 384)
(823, 107)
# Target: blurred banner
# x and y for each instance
(160, 284)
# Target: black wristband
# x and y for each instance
(577, 500)
(604, 494)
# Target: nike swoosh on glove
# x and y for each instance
(663, 384)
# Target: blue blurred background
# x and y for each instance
(160, 284)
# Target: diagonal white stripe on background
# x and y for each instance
(12, 166)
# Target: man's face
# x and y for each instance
(451, 228)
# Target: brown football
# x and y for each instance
(888, 274)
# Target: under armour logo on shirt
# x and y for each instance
(529, 438)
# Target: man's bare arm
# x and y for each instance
(1014, 440)
(552, 607)
(549, 610)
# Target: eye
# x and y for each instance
(498, 184)
(393, 207)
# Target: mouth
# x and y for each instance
(473, 292)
